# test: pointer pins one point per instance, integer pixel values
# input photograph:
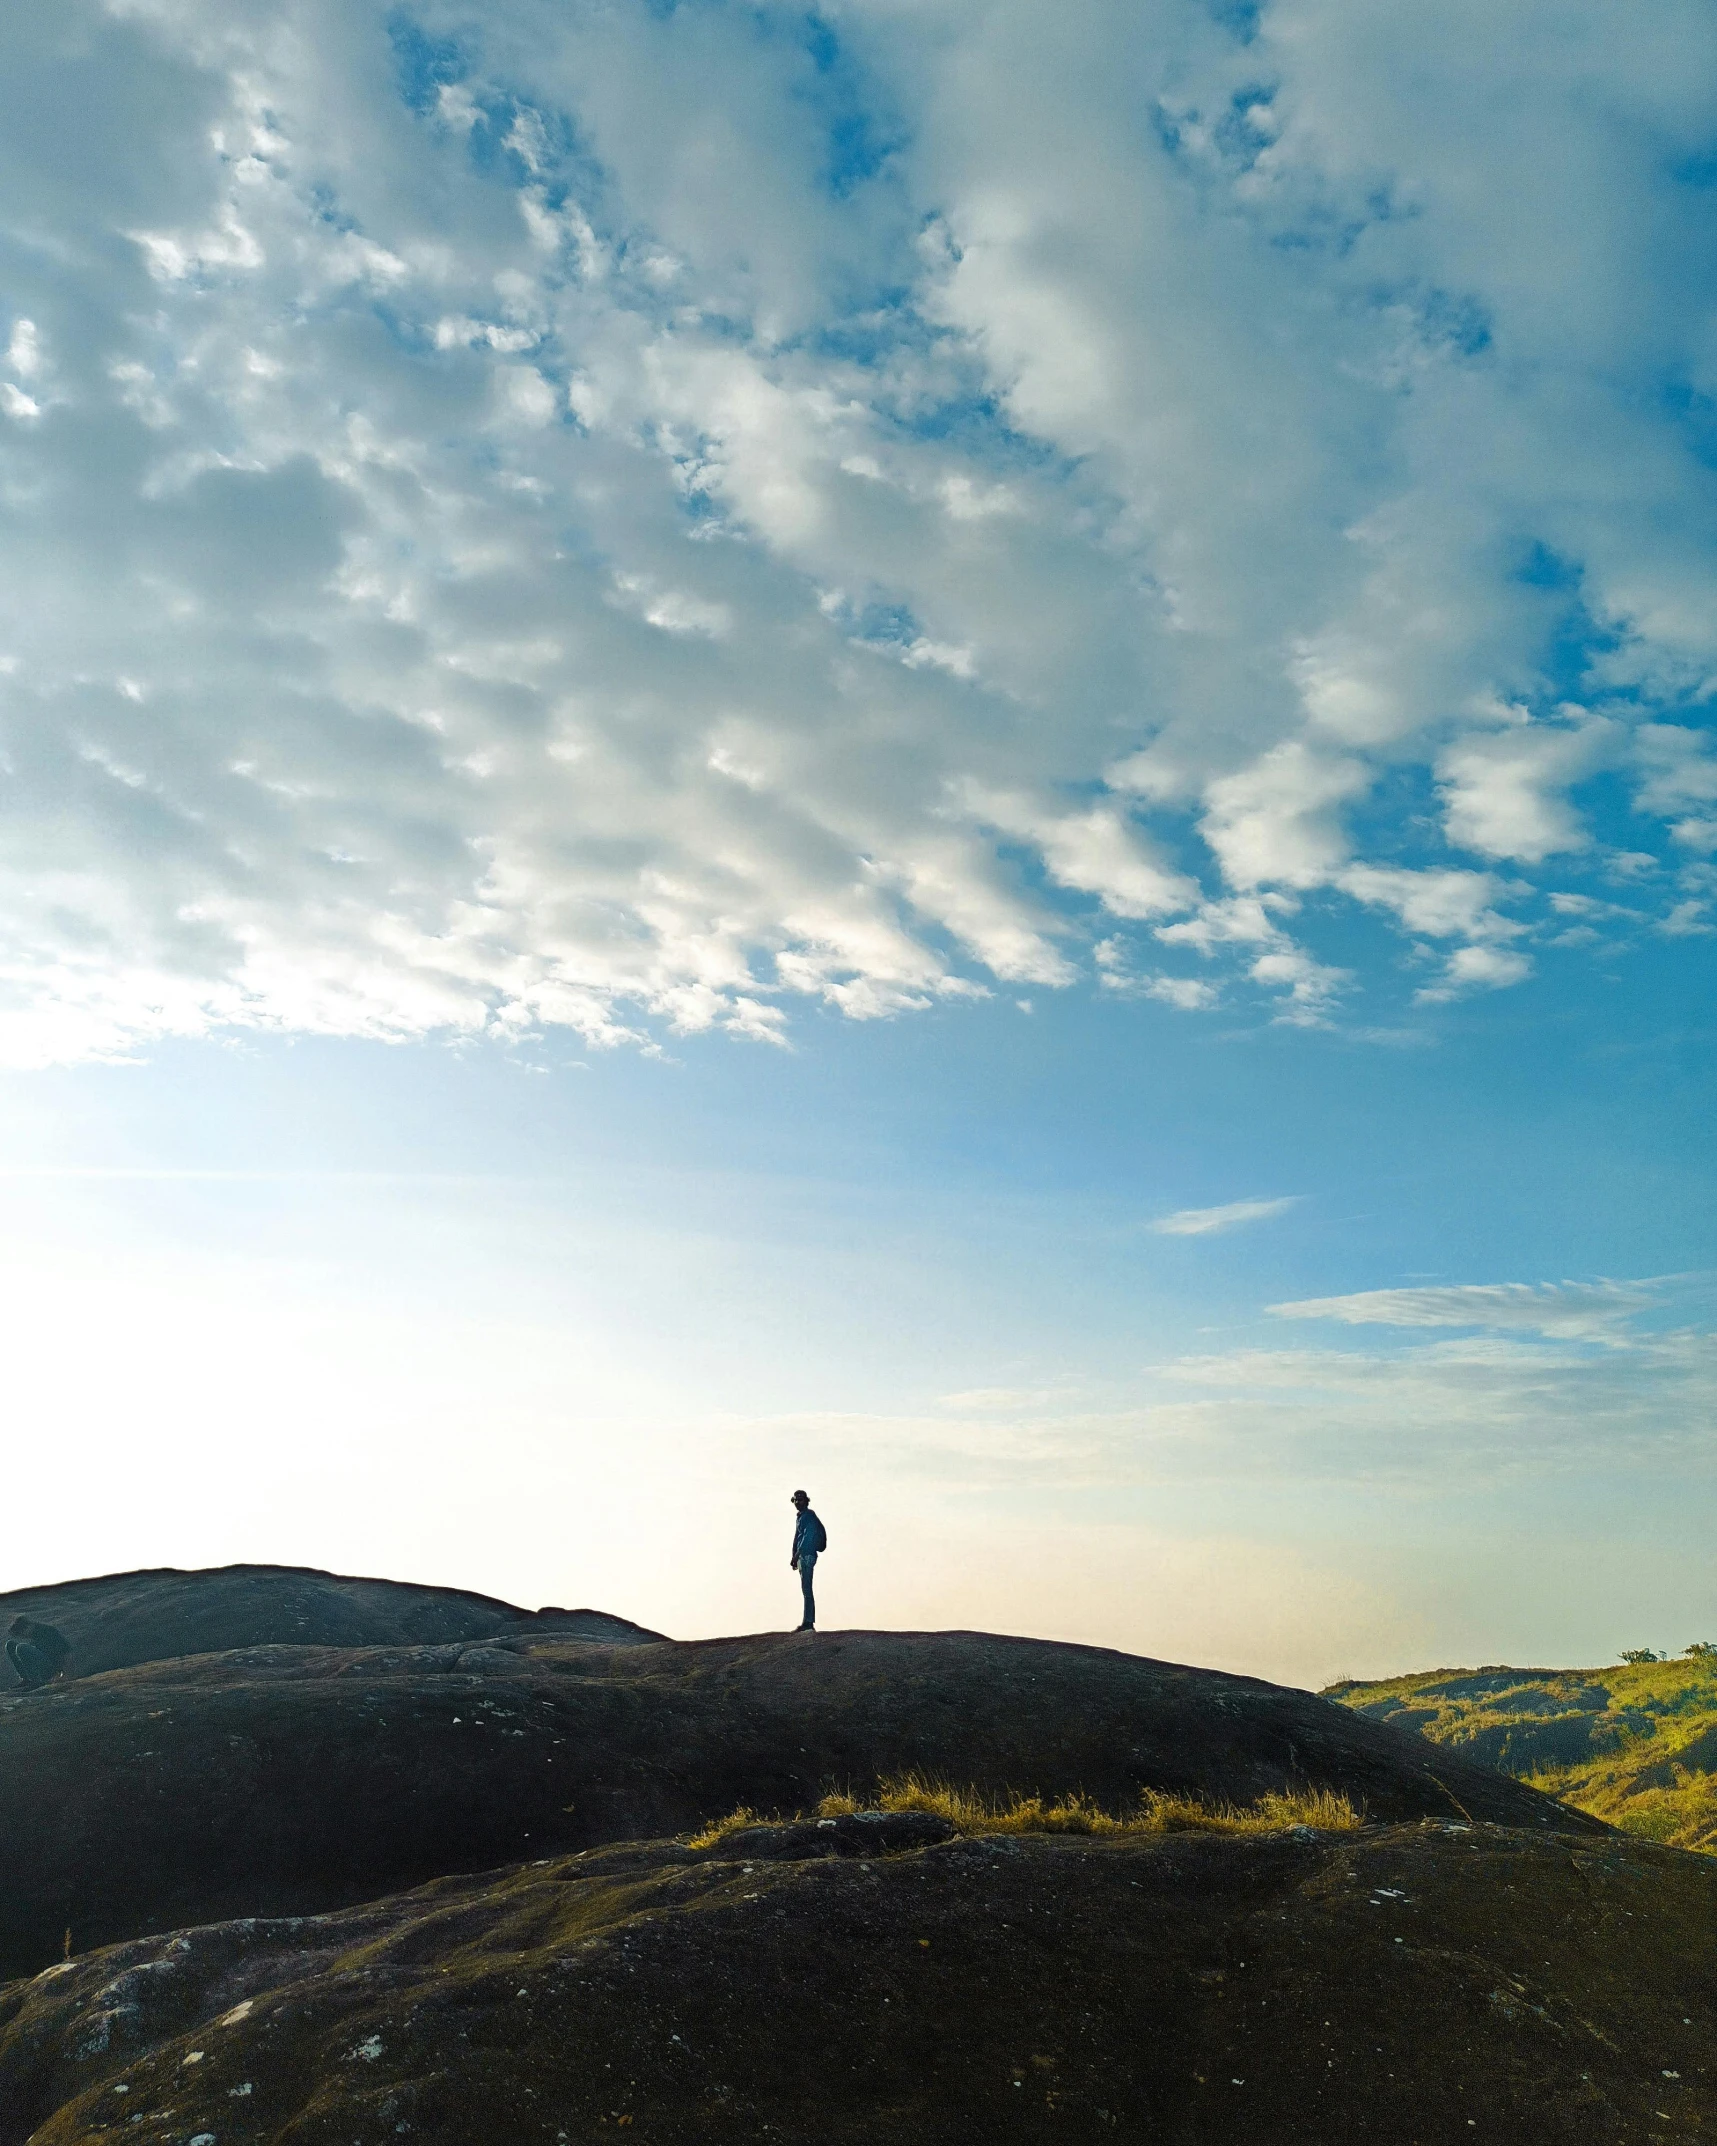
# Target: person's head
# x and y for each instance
(801, 1499)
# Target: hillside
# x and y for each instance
(129, 1617)
(1635, 1745)
(468, 1888)
(1414, 1986)
(290, 1779)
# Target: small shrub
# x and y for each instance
(1640, 1654)
(1702, 1650)
(1660, 1822)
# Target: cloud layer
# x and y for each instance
(536, 516)
(1551, 1379)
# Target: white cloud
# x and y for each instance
(1274, 823)
(1306, 989)
(1573, 1311)
(1475, 968)
(1188, 993)
(1480, 1409)
(577, 550)
(1205, 1221)
(1309, 987)
(1098, 852)
(1242, 920)
(1687, 920)
(1489, 1406)
(1440, 904)
(1679, 781)
(1506, 792)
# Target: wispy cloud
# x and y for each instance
(1546, 1377)
(1570, 1311)
(1481, 1407)
(1206, 1221)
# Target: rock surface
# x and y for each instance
(274, 1858)
(130, 1617)
(277, 1780)
(1422, 1985)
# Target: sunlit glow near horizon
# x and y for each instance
(960, 750)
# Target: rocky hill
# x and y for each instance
(1411, 1985)
(276, 1779)
(465, 1888)
(131, 1617)
(1635, 1744)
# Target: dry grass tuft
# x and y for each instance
(1324, 1810)
(713, 1835)
(971, 1812)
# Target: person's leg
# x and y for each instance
(807, 1567)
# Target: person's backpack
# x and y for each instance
(822, 1541)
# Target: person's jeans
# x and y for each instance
(807, 1566)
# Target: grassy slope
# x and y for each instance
(1636, 1744)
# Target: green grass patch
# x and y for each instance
(1634, 1743)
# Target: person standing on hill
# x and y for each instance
(36, 1651)
(810, 1540)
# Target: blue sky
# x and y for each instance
(961, 752)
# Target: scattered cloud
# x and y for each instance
(1690, 919)
(1480, 1410)
(1439, 904)
(1469, 968)
(1206, 1221)
(475, 561)
(1493, 1405)
(1523, 1379)
(1506, 793)
(1188, 993)
(1242, 920)
(1679, 781)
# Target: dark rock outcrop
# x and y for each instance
(274, 1780)
(130, 1617)
(266, 1814)
(1422, 1985)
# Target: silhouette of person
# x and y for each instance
(36, 1651)
(810, 1540)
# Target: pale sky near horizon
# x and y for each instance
(962, 752)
